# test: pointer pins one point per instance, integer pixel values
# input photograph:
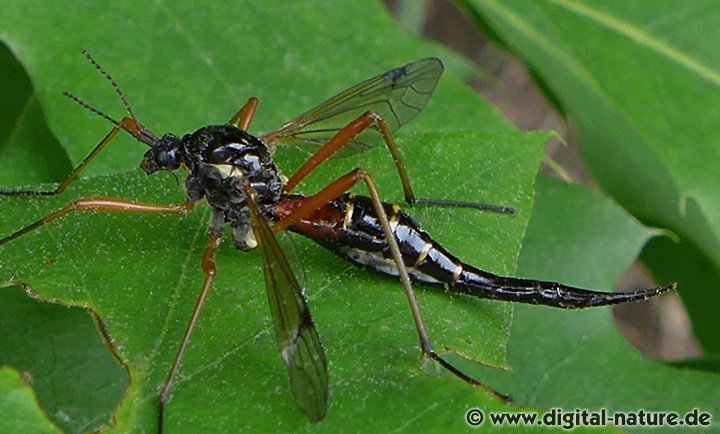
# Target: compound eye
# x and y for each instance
(163, 158)
(168, 159)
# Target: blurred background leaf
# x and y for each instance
(626, 93)
(640, 84)
(182, 73)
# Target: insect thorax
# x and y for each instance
(221, 159)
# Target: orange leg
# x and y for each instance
(208, 266)
(356, 127)
(110, 204)
(245, 115)
(102, 204)
(335, 190)
(126, 124)
(342, 138)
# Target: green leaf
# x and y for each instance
(182, 67)
(232, 369)
(18, 406)
(60, 349)
(29, 151)
(577, 359)
(682, 261)
(639, 80)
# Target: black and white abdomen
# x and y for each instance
(349, 226)
(425, 260)
(356, 235)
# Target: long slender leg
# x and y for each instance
(102, 204)
(347, 133)
(335, 190)
(111, 204)
(245, 115)
(126, 124)
(342, 138)
(208, 266)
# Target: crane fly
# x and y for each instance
(235, 172)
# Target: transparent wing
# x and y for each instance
(295, 332)
(398, 95)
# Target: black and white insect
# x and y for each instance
(234, 172)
